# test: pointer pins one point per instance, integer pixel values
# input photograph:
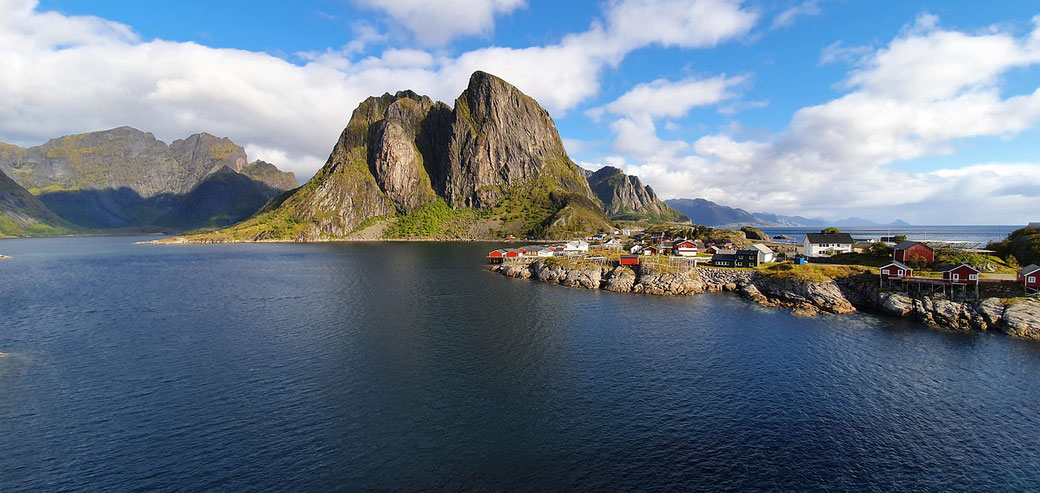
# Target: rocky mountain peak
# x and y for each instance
(625, 196)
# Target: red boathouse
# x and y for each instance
(629, 260)
(962, 274)
(896, 271)
(910, 251)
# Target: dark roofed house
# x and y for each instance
(724, 259)
(962, 274)
(825, 244)
(747, 257)
(910, 251)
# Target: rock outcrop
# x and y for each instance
(625, 197)
(1020, 318)
(403, 152)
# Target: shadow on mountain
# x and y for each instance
(221, 199)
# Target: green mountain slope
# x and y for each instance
(22, 214)
(493, 165)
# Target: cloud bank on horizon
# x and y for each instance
(901, 129)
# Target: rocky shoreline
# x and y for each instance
(1016, 317)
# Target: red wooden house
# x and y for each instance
(629, 260)
(896, 271)
(650, 250)
(962, 274)
(513, 253)
(1029, 276)
(909, 251)
(685, 248)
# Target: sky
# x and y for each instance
(926, 111)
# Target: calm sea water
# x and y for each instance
(408, 366)
(977, 236)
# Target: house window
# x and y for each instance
(900, 272)
(955, 277)
(1032, 278)
(973, 277)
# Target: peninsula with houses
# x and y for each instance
(829, 272)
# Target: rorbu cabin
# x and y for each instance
(513, 253)
(896, 271)
(629, 260)
(496, 256)
(1029, 276)
(962, 274)
(910, 251)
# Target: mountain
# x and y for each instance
(270, 175)
(22, 214)
(124, 177)
(494, 164)
(708, 213)
(222, 198)
(625, 197)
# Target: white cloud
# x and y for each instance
(917, 96)
(788, 17)
(438, 22)
(68, 74)
(664, 98)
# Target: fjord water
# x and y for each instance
(313, 367)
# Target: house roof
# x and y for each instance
(748, 251)
(963, 265)
(1029, 269)
(821, 238)
(897, 264)
(907, 244)
(762, 248)
(723, 256)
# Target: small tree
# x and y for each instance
(899, 238)
(831, 231)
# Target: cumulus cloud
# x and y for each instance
(436, 23)
(917, 96)
(67, 74)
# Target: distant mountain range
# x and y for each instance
(708, 213)
(125, 178)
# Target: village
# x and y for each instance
(897, 273)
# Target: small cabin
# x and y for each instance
(962, 274)
(629, 260)
(910, 251)
(1029, 276)
(896, 271)
(513, 253)
(497, 254)
(686, 248)
(650, 250)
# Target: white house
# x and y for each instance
(576, 246)
(822, 244)
(765, 254)
(635, 249)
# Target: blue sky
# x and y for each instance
(833, 108)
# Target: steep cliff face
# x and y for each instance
(493, 163)
(124, 177)
(502, 138)
(625, 197)
(22, 214)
